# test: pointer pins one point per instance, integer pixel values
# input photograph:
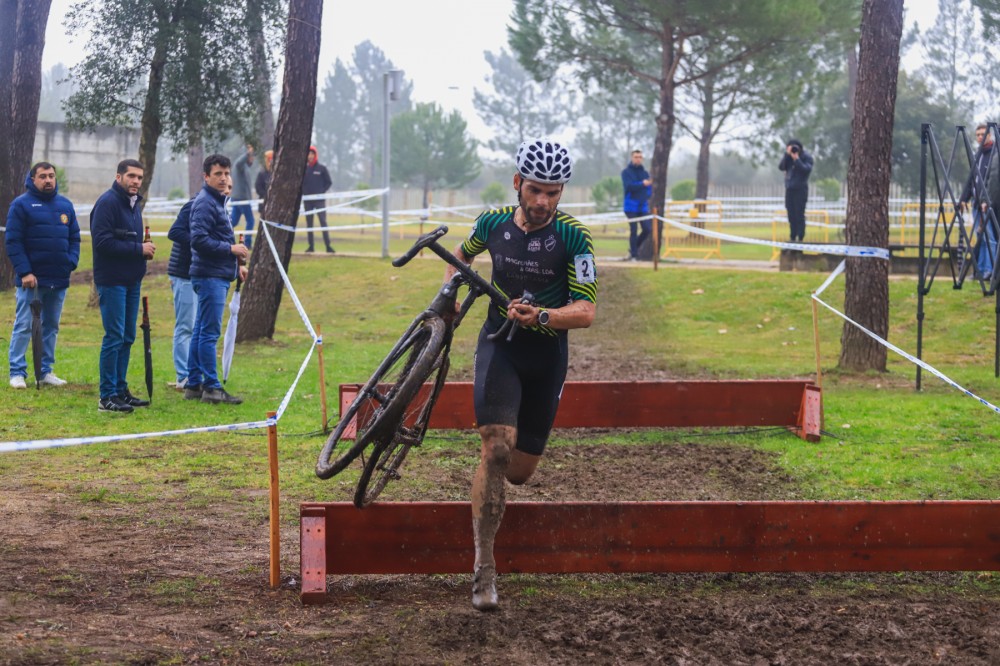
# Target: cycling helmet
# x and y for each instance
(544, 161)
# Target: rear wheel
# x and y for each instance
(379, 406)
(388, 455)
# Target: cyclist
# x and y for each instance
(536, 248)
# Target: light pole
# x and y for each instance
(391, 84)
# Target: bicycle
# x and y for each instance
(393, 408)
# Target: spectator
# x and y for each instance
(797, 165)
(638, 188)
(263, 182)
(185, 303)
(976, 193)
(316, 181)
(241, 192)
(120, 256)
(43, 243)
(215, 256)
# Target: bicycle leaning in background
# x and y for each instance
(391, 411)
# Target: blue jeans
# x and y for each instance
(119, 310)
(239, 211)
(985, 258)
(211, 294)
(52, 303)
(635, 240)
(185, 307)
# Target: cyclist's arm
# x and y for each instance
(450, 270)
(578, 314)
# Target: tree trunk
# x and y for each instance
(866, 300)
(22, 40)
(150, 125)
(258, 54)
(195, 159)
(262, 292)
(665, 121)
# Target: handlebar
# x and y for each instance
(426, 240)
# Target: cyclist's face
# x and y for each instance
(537, 200)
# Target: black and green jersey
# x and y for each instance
(555, 263)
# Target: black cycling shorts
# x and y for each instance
(519, 383)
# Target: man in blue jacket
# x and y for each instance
(638, 188)
(179, 270)
(43, 243)
(216, 260)
(120, 256)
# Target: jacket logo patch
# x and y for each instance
(534, 245)
(550, 243)
(64, 218)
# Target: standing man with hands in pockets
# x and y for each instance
(120, 257)
(215, 263)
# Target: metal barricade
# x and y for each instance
(703, 214)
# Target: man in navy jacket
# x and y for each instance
(43, 243)
(179, 270)
(638, 187)
(797, 165)
(120, 256)
(216, 260)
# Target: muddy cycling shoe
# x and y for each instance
(484, 588)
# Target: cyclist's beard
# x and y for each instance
(535, 216)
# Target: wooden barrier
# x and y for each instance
(428, 537)
(796, 404)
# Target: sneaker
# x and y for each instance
(330, 250)
(51, 379)
(309, 250)
(128, 399)
(112, 404)
(17, 382)
(192, 392)
(484, 588)
(216, 395)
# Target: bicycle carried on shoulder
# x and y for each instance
(391, 411)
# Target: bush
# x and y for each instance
(494, 194)
(177, 193)
(829, 188)
(371, 203)
(608, 194)
(62, 180)
(683, 190)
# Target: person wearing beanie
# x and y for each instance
(316, 180)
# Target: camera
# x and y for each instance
(795, 150)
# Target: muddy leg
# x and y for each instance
(488, 501)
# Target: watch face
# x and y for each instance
(543, 317)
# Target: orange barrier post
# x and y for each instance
(275, 515)
(322, 380)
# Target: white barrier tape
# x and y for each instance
(846, 250)
(291, 389)
(902, 353)
(833, 276)
(33, 444)
(288, 283)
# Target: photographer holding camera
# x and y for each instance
(797, 165)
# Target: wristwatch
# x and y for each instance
(543, 317)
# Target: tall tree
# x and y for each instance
(609, 126)
(515, 106)
(369, 66)
(616, 40)
(22, 40)
(264, 287)
(432, 149)
(955, 64)
(337, 126)
(179, 67)
(866, 298)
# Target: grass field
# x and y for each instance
(884, 440)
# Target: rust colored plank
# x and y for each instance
(669, 537)
(811, 414)
(313, 554)
(643, 404)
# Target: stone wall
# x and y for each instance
(89, 160)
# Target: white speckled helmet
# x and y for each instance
(544, 161)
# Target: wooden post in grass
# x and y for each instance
(656, 240)
(322, 380)
(819, 371)
(275, 516)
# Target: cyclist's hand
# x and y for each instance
(523, 313)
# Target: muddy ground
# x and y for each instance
(98, 582)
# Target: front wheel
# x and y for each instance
(378, 409)
(383, 465)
